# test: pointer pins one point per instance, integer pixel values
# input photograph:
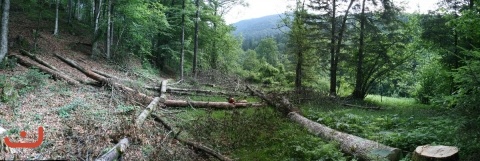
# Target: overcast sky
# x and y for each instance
(260, 8)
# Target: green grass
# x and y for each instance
(254, 134)
(401, 123)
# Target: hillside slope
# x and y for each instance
(258, 28)
(80, 122)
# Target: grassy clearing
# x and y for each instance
(401, 123)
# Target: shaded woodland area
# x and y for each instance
(170, 80)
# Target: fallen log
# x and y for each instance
(110, 76)
(351, 144)
(116, 152)
(163, 91)
(44, 63)
(196, 91)
(145, 99)
(216, 105)
(437, 153)
(55, 74)
(194, 145)
(150, 108)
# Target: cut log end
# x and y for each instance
(437, 153)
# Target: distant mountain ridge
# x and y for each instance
(259, 27)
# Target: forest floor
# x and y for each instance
(83, 122)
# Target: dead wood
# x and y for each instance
(44, 63)
(3, 146)
(116, 152)
(110, 76)
(437, 153)
(216, 105)
(197, 91)
(55, 74)
(362, 107)
(144, 98)
(192, 144)
(163, 91)
(351, 144)
(150, 108)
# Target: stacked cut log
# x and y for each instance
(354, 145)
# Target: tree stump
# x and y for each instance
(435, 153)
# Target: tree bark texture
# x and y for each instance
(55, 74)
(55, 30)
(109, 25)
(339, 42)
(4, 30)
(351, 144)
(163, 91)
(195, 48)
(333, 67)
(196, 91)
(182, 50)
(216, 105)
(97, 8)
(150, 108)
(116, 152)
(143, 97)
(359, 92)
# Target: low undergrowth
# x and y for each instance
(401, 123)
(256, 134)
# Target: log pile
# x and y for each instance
(354, 145)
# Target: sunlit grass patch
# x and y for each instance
(392, 101)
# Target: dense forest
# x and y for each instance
(363, 70)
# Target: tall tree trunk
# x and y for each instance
(77, 10)
(97, 12)
(92, 13)
(333, 67)
(70, 11)
(109, 25)
(4, 32)
(182, 50)
(358, 92)
(340, 38)
(55, 31)
(214, 57)
(195, 48)
(299, 72)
